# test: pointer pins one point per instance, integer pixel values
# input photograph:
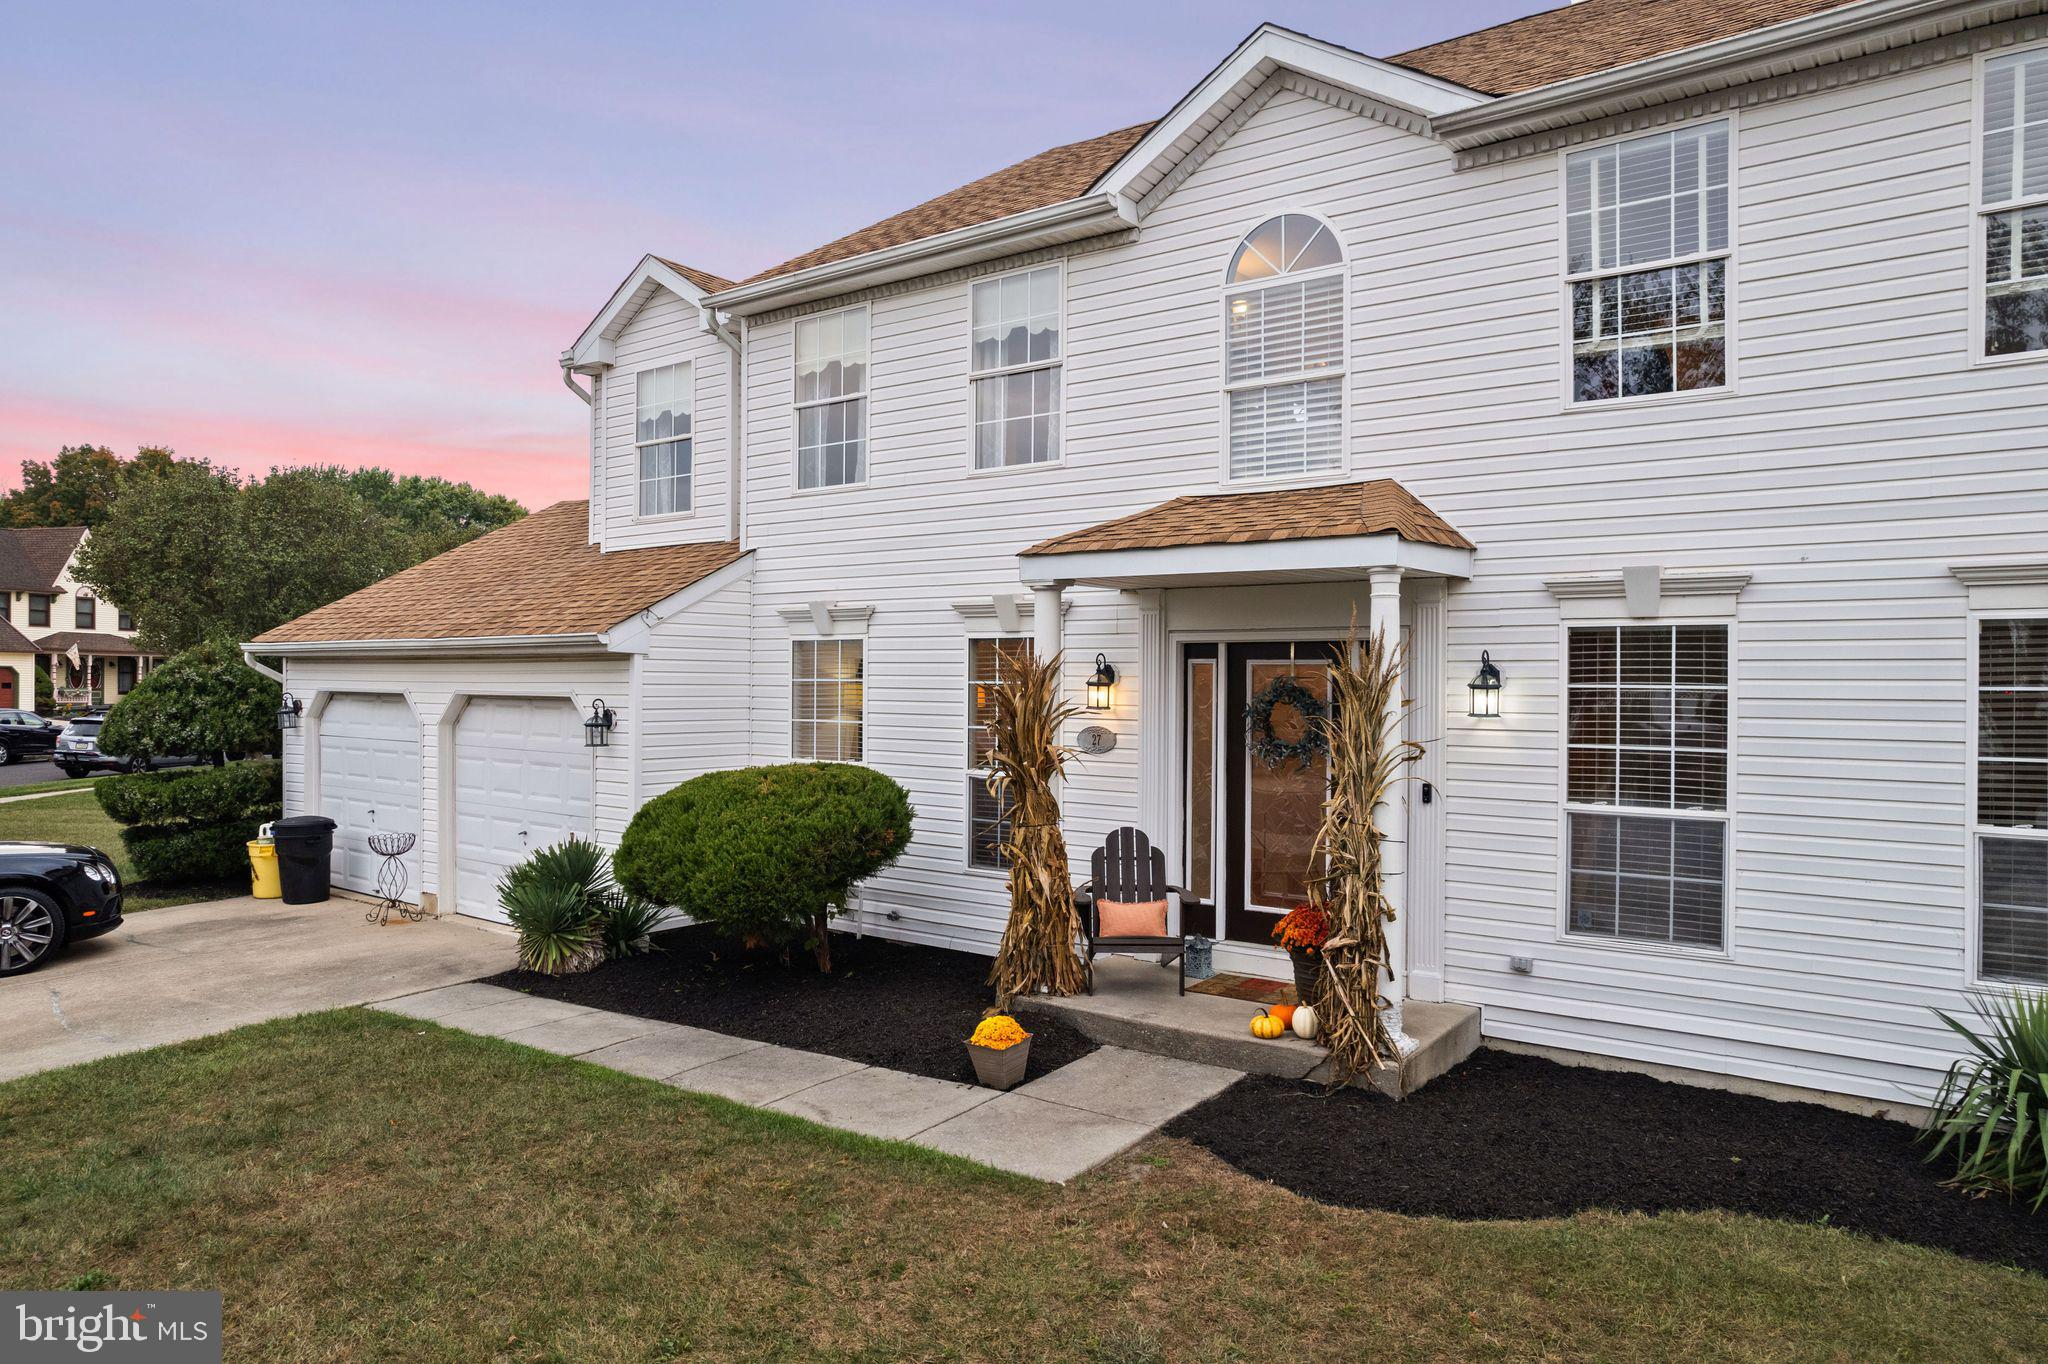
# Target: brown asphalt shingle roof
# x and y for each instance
(31, 557)
(88, 642)
(1375, 507)
(1593, 35)
(13, 641)
(703, 279)
(537, 576)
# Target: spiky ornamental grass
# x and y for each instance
(1367, 758)
(1037, 951)
(1992, 1107)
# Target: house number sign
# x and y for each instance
(1097, 739)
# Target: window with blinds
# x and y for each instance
(2013, 203)
(1646, 264)
(1647, 731)
(827, 700)
(989, 664)
(1284, 350)
(2012, 800)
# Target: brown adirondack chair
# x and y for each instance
(1129, 870)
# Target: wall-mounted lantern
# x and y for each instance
(1485, 689)
(1101, 686)
(597, 729)
(288, 713)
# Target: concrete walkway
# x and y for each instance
(1054, 1128)
(166, 975)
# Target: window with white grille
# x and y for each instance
(2012, 800)
(831, 399)
(1014, 355)
(827, 700)
(1647, 731)
(989, 663)
(2012, 203)
(1283, 321)
(661, 432)
(1646, 264)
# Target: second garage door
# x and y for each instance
(369, 783)
(522, 782)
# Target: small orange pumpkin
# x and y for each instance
(1283, 1012)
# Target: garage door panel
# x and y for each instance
(370, 780)
(522, 782)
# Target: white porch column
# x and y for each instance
(1391, 817)
(1045, 620)
(1155, 719)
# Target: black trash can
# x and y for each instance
(305, 853)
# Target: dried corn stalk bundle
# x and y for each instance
(1037, 951)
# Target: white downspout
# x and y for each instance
(249, 657)
(736, 433)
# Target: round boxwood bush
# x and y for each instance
(192, 824)
(767, 854)
(203, 703)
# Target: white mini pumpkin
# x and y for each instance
(1305, 1022)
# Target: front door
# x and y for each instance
(1270, 805)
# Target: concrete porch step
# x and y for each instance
(1135, 1005)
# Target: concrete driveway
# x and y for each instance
(169, 974)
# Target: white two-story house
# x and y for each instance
(1683, 365)
(52, 622)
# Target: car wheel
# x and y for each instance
(31, 930)
(6, 755)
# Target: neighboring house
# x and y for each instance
(54, 622)
(1683, 362)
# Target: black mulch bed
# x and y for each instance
(894, 1004)
(1509, 1136)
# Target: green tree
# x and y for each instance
(205, 702)
(171, 552)
(79, 487)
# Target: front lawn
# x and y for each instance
(76, 817)
(362, 1186)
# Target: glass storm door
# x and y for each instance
(1271, 810)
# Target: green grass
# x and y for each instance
(365, 1187)
(76, 817)
(37, 788)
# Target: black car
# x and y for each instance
(26, 735)
(51, 894)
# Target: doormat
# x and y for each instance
(1252, 989)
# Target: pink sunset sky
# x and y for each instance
(361, 234)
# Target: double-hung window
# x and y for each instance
(989, 664)
(1647, 731)
(84, 612)
(39, 608)
(661, 430)
(1014, 355)
(2012, 800)
(1646, 264)
(2012, 203)
(1283, 367)
(827, 700)
(832, 399)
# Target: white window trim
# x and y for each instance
(1562, 933)
(976, 631)
(1059, 364)
(1342, 372)
(1975, 832)
(866, 395)
(789, 696)
(1730, 281)
(1980, 216)
(691, 511)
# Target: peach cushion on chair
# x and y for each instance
(1115, 919)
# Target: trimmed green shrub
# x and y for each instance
(1992, 1108)
(191, 824)
(203, 703)
(569, 912)
(767, 854)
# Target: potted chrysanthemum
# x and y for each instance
(1000, 1049)
(1302, 931)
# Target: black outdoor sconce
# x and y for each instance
(1485, 689)
(1102, 686)
(597, 729)
(288, 713)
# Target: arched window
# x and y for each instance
(1283, 323)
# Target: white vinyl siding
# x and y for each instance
(1014, 356)
(1647, 728)
(2012, 799)
(2013, 203)
(826, 700)
(1284, 351)
(988, 815)
(661, 432)
(1646, 264)
(831, 399)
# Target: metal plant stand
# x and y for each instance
(391, 878)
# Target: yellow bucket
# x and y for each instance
(263, 882)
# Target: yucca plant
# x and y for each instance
(569, 912)
(1992, 1108)
(628, 923)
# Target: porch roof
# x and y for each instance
(1272, 535)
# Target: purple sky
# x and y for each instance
(284, 233)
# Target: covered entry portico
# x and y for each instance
(1233, 591)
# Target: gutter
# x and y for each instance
(568, 643)
(1566, 101)
(249, 657)
(1086, 216)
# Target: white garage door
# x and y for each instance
(522, 782)
(370, 783)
